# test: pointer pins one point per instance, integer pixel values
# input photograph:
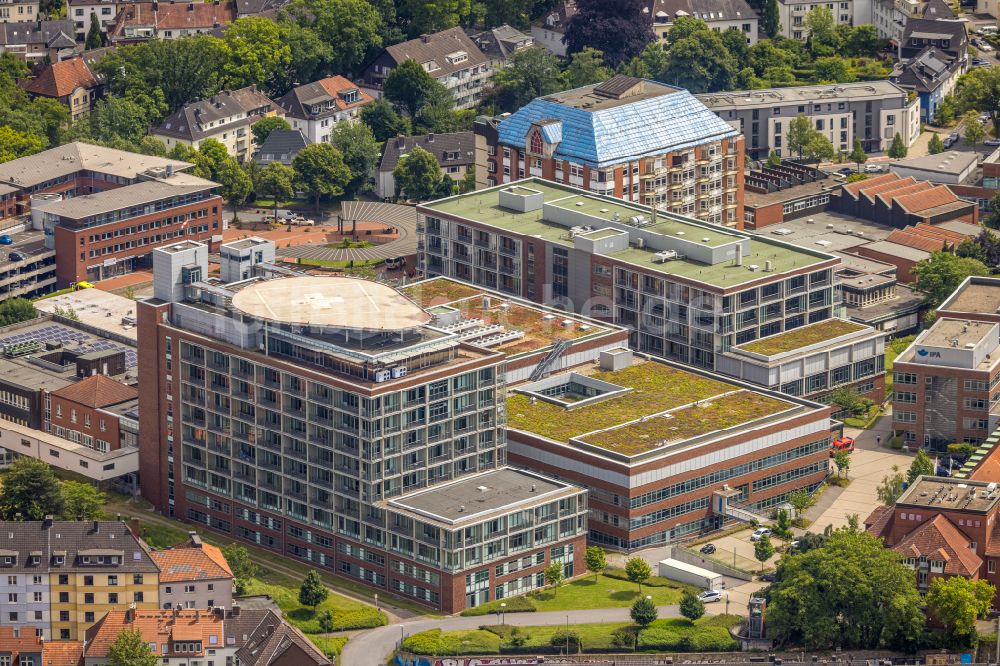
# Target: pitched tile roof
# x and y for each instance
(52, 34)
(436, 48)
(62, 653)
(330, 94)
(879, 521)
(919, 186)
(932, 198)
(97, 391)
(918, 241)
(191, 122)
(889, 186)
(666, 11)
(500, 43)
(281, 146)
(191, 561)
(61, 78)
(159, 627)
(855, 188)
(556, 20)
(72, 541)
(456, 148)
(271, 640)
(939, 539)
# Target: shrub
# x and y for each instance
(514, 605)
(653, 581)
(624, 637)
(426, 642)
(362, 618)
(564, 638)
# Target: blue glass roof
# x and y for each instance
(623, 132)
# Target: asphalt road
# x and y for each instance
(373, 647)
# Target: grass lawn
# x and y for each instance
(331, 646)
(303, 617)
(322, 263)
(605, 592)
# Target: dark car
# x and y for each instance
(15, 256)
(768, 577)
(847, 171)
(6, 240)
(708, 548)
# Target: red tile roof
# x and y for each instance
(886, 197)
(888, 187)
(97, 391)
(190, 563)
(62, 653)
(910, 239)
(879, 521)
(930, 231)
(156, 626)
(939, 539)
(54, 653)
(62, 78)
(856, 187)
(936, 196)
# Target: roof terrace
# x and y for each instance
(805, 336)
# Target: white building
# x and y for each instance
(845, 12)
(315, 108)
(719, 15)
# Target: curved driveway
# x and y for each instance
(403, 218)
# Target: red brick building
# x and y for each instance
(84, 412)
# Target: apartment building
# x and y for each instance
(718, 15)
(322, 418)
(63, 576)
(891, 16)
(96, 232)
(194, 574)
(226, 117)
(665, 451)
(317, 107)
(630, 138)
(19, 11)
(450, 56)
(813, 360)
(38, 41)
(946, 384)
(943, 527)
(549, 30)
(139, 21)
(80, 12)
(23, 648)
(70, 82)
(455, 153)
(687, 290)
(792, 15)
(871, 111)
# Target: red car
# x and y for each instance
(842, 444)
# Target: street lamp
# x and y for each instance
(378, 613)
(503, 610)
(401, 636)
(727, 602)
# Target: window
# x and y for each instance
(536, 142)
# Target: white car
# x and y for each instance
(872, 168)
(992, 142)
(983, 46)
(708, 596)
(759, 532)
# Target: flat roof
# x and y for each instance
(897, 250)
(757, 199)
(838, 92)
(95, 307)
(827, 231)
(906, 301)
(87, 205)
(941, 492)
(665, 405)
(474, 498)
(945, 330)
(978, 294)
(951, 162)
(821, 331)
(73, 157)
(482, 207)
(333, 302)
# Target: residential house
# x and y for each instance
(19, 11)
(85, 412)
(139, 21)
(792, 15)
(943, 527)
(500, 43)
(891, 16)
(39, 41)
(80, 12)
(455, 152)
(932, 74)
(549, 30)
(22, 648)
(316, 107)
(949, 37)
(719, 15)
(70, 82)
(450, 56)
(265, 8)
(280, 146)
(194, 574)
(226, 117)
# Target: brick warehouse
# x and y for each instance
(378, 456)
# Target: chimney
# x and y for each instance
(97, 526)
(133, 527)
(235, 610)
(47, 522)
(739, 255)
(195, 539)
(190, 6)
(400, 141)
(430, 138)
(425, 38)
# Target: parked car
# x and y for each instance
(6, 240)
(983, 46)
(793, 546)
(708, 548)
(984, 117)
(842, 444)
(768, 577)
(873, 168)
(15, 256)
(951, 139)
(979, 62)
(759, 532)
(708, 596)
(991, 142)
(847, 171)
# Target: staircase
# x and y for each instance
(543, 366)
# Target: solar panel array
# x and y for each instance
(70, 337)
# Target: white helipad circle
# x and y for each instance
(337, 302)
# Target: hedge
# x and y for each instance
(654, 581)
(434, 643)
(514, 605)
(363, 618)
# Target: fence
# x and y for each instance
(851, 658)
(684, 555)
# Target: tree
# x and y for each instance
(243, 568)
(936, 145)
(956, 602)
(383, 120)
(848, 400)
(131, 649)
(30, 490)
(429, 17)
(361, 153)
(258, 55)
(863, 41)
(417, 174)
(818, 147)
(643, 611)
(94, 38)
(770, 21)
(858, 154)
(970, 249)
(554, 574)
(691, 606)
(326, 622)
(409, 87)
(921, 465)
(783, 526)
(974, 130)
(312, 592)
(898, 149)
(530, 73)
(822, 33)
(596, 560)
(15, 144)
(16, 310)
(773, 159)
(263, 128)
(309, 53)
(800, 500)
(620, 29)
(842, 459)
(979, 90)
(349, 28)
(152, 146)
(939, 275)
(275, 180)
(637, 571)
(320, 171)
(236, 184)
(851, 592)
(697, 58)
(763, 549)
(832, 69)
(81, 500)
(800, 130)
(891, 487)
(585, 67)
